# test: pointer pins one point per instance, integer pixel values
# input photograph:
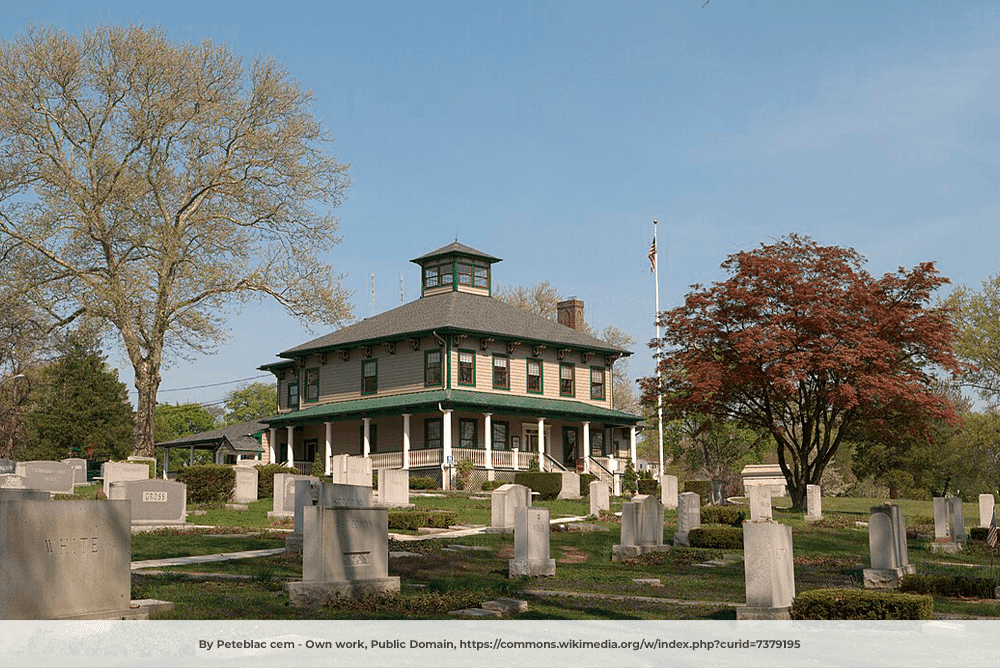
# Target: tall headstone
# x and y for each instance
(814, 503)
(393, 487)
(642, 528)
(348, 470)
(940, 505)
(769, 571)
(887, 546)
(345, 554)
(65, 560)
(760, 503)
(122, 472)
(154, 501)
(79, 467)
(283, 503)
(668, 491)
(949, 525)
(245, 490)
(312, 492)
(600, 497)
(54, 477)
(688, 516)
(986, 505)
(504, 501)
(570, 485)
(956, 520)
(531, 544)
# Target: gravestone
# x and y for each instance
(668, 491)
(949, 525)
(760, 503)
(21, 494)
(79, 467)
(7, 466)
(283, 503)
(312, 492)
(150, 461)
(887, 545)
(54, 477)
(769, 475)
(393, 487)
(769, 571)
(814, 503)
(347, 470)
(688, 516)
(570, 485)
(245, 490)
(504, 501)
(986, 505)
(600, 497)
(531, 544)
(956, 520)
(154, 501)
(65, 560)
(122, 472)
(642, 528)
(345, 554)
(11, 481)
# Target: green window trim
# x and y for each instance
(501, 380)
(467, 367)
(539, 381)
(567, 383)
(501, 428)
(598, 389)
(432, 369)
(369, 376)
(312, 385)
(292, 394)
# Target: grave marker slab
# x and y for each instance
(154, 501)
(949, 525)
(79, 467)
(283, 503)
(348, 470)
(122, 472)
(504, 501)
(245, 490)
(770, 575)
(531, 544)
(642, 528)
(11, 481)
(814, 503)
(54, 477)
(760, 503)
(986, 505)
(600, 497)
(570, 485)
(312, 492)
(887, 546)
(668, 491)
(393, 487)
(688, 516)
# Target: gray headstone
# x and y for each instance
(600, 497)
(570, 485)
(504, 501)
(882, 542)
(348, 470)
(688, 516)
(154, 501)
(345, 544)
(768, 565)
(760, 503)
(283, 504)
(986, 505)
(245, 490)
(814, 503)
(393, 487)
(887, 545)
(940, 518)
(122, 472)
(668, 491)
(956, 520)
(79, 467)
(54, 477)
(531, 544)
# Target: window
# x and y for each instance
(473, 272)
(567, 380)
(597, 443)
(437, 274)
(501, 375)
(467, 432)
(596, 382)
(466, 367)
(501, 436)
(432, 433)
(372, 438)
(312, 384)
(293, 394)
(432, 368)
(534, 375)
(369, 376)
(310, 448)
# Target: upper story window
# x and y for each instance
(466, 367)
(293, 393)
(567, 380)
(596, 382)
(501, 372)
(534, 370)
(432, 368)
(312, 384)
(369, 376)
(438, 274)
(473, 272)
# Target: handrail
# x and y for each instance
(600, 465)
(558, 465)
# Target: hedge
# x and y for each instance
(422, 482)
(648, 486)
(585, 480)
(265, 477)
(548, 485)
(414, 519)
(208, 483)
(717, 537)
(861, 604)
(958, 586)
(702, 488)
(731, 515)
(490, 485)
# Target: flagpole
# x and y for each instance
(656, 319)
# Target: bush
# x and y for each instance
(861, 604)
(414, 519)
(465, 469)
(548, 485)
(731, 515)
(703, 488)
(490, 485)
(630, 479)
(647, 486)
(422, 482)
(717, 537)
(318, 470)
(585, 480)
(208, 483)
(958, 586)
(265, 478)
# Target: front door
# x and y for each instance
(570, 439)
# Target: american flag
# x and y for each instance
(652, 256)
(991, 537)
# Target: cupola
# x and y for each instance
(456, 268)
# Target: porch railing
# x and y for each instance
(388, 460)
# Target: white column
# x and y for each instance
(291, 440)
(329, 447)
(272, 437)
(541, 444)
(406, 441)
(166, 457)
(366, 448)
(488, 439)
(586, 447)
(191, 457)
(446, 449)
(631, 445)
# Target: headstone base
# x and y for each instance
(886, 578)
(813, 518)
(310, 594)
(619, 552)
(532, 568)
(272, 515)
(138, 612)
(507, 530)
(294, 542)
(748, 612)
(946, 547)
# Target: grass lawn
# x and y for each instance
(587, 585)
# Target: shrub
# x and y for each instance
(585, 480)
(490, 485)
(318, 470)
(422, 482)
(548, 485)
(208, 483)
(533, 465)
(703, 488)
(414, 519)
(861, 604)
(630, 479)
(265, 478)
(717, 537)
(731, 515)
(958, 586)
(464, 468)
(647, 486)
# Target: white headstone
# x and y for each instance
(668, 491)
(760, 503)
(956, 520)
(79, 470)
(769, 571)
(393, 487)
(688, 516)
(122, 472)
(245, 490)
(600, 497)
(348, 470)
(814, 503)
(504, 501)
(283, 504)
(531, 544)
(642, 528)
(570, 485)
(986, 505)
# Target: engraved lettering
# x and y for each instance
(93, 544)
(357, 558)
(154, 497)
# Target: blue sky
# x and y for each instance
(551, 134)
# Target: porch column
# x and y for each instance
(272, 438)
(631, 445)
(291, 441)
(586, 447)
(541, 444)
(329, 447)
(366, 446)
(446, 449)
(166, 458)
(191, 457)
(488, 439)
(406, 441)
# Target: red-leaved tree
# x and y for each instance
(803, 342)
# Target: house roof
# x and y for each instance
(495, 402)
(454, 248)
(239, 436)
(456, 311)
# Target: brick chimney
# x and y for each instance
(570, 313)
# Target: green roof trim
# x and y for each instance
(455, 399)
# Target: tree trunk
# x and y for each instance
(147, 383)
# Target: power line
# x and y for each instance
(198, 387)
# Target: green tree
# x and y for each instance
(251, 402)
(174, 421)
(78, 401)
(977, 318)
(148, 184)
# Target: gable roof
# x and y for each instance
(456, 311)
(240, 436)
